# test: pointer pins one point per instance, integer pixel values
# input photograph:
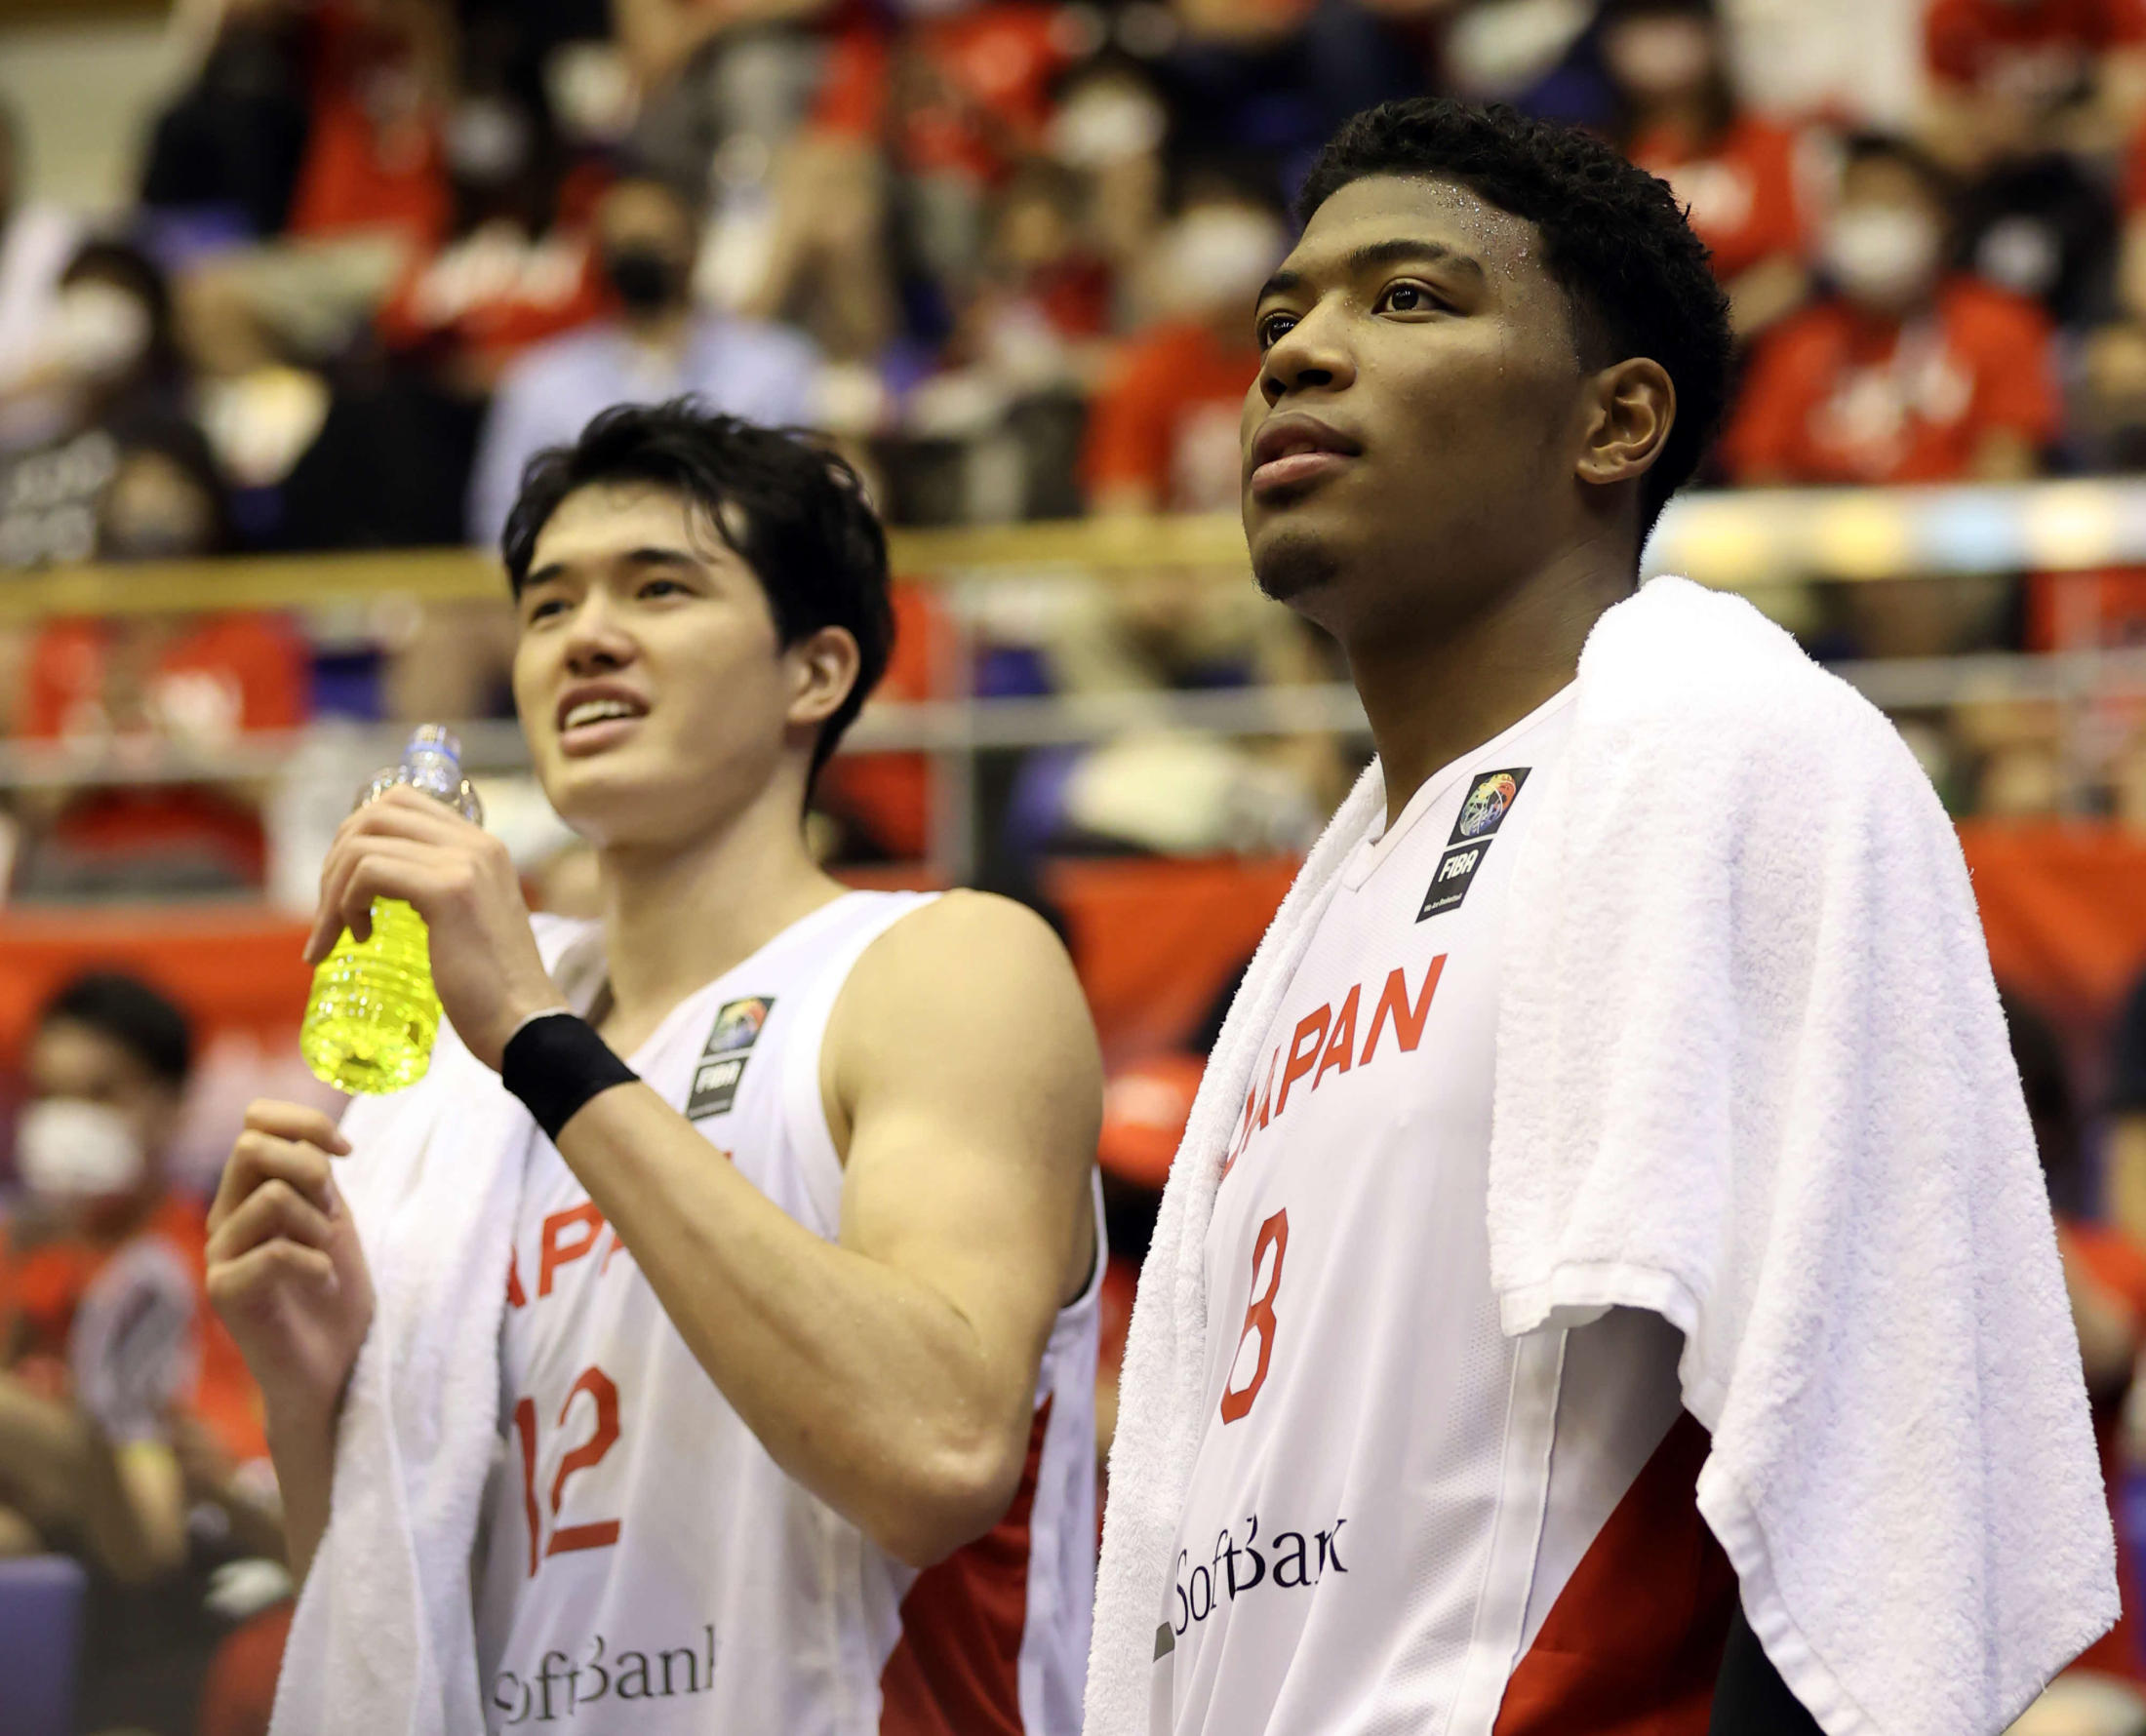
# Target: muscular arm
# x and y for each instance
(1750, 1699)
(892, 1372)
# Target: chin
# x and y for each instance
(1290, 563)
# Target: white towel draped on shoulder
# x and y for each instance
(1752, 1076)
(383, 1639)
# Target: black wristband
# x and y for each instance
(556, 1063)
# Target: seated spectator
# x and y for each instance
(1163, 432)
(381, 76)
(658, 345)
(2011, 77)
(36, 243)
(108, 1358)
(110, 371)
(1739, 173)
(1904, 372)
(191, 683)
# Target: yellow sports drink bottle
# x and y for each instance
(373, 1014)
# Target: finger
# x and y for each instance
(273, 1210)
(403, 812)
(394, 868)
(343, 906)
(266, 1269)
(257, 1158)
(296, 1121)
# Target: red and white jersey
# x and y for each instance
(1399, 1518)
(646, 1568)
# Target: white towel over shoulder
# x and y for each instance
(1752, 1076)
(382, 1643)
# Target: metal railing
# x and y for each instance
(1743, 540)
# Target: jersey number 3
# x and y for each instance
(599, 1533)
(1258, 1318)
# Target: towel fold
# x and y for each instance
(1751, 1075)
(383, 1641)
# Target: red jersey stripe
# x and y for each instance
(956, 1668)
(1634, 1642)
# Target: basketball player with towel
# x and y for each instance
(708, 1342)
(1605, 1284)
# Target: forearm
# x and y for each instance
(302, 1447)
(868, 1387)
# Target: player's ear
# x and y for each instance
(823, 668)
(1628, 409)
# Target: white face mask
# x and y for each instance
(1883, 255)
(1217, 256)
(68, 1149)
(100, 330)
(1107, 123)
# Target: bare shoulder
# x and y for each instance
(975, 935)
(970, 971)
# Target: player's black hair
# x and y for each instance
(130, 1013)
(1615, 240)
(795, 513)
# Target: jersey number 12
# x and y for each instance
(598, 1533)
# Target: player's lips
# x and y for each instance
(597, 715)
(1295, 448)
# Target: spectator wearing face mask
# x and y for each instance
(36, 243)
(658, 345)
(1163, 432)
(1904, 371)
(1740, 175)
(113, 1375)
(109, 371)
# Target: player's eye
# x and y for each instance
(663, 588)
(1272, 328)
(548, 605)
(1408, 296)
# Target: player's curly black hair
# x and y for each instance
(1615, 240)
(796, 513)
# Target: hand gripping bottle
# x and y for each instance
(373, 1014)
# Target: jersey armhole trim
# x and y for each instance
(804, 1110)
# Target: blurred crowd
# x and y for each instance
(1001, 251)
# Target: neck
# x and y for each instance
(1433, 695)
(678, 916)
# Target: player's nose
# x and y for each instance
(1312, 355)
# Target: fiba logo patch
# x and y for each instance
(721, 1069)
(1490, 800)
(1487, 803)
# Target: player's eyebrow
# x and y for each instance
(650, 555)
(1402, 249)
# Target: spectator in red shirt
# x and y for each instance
(2011, 76)
(1738, 172)
(1163, 431)
(1905, 373)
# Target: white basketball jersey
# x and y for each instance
(1400, 1519)
(646, 1568)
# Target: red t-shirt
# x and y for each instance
(1836, 396)
(1741, 191)
(1167, 417)
(373, 156)
(984, 89)
(492, 292)
(2035, 52)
